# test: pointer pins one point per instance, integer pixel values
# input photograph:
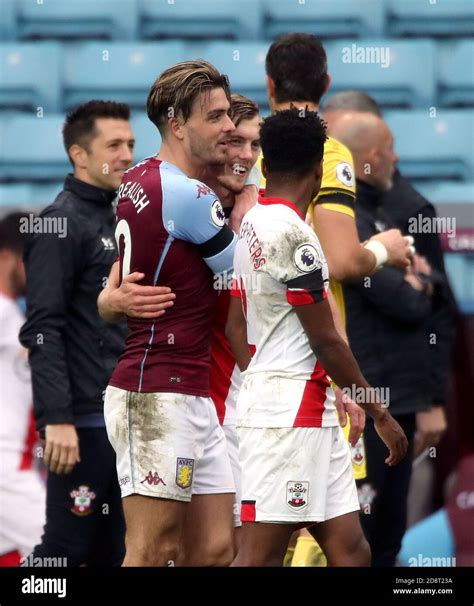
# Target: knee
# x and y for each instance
(359, 551)
(159, 552)
(218, 552)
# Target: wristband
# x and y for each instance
(379, 250)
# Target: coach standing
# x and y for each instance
(72, 352)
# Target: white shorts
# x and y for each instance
(22, 511)
(232, 438)
(168, 445)
(296, 474)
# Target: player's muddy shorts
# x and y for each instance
(295, 474)
(168, 445)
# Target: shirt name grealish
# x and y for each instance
(134, 191)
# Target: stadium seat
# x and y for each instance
(122, 72)
(224, 19)
(456, 74)
(407, 80)
(439, 147)
(28, 195)
(17, 195)
(147, 137)
(325, 18)
(32, 149)
(7, 22)
(29, 76)
(448, 192)
(425, 18)
(244, 63)
(72, 19)
(460, 269)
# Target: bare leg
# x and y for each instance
(263, 544)
(153, 530)
(208, 533)
(342, 540)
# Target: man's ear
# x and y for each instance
(176, 128)
(78, 155)
(327, 84)
(270, 84)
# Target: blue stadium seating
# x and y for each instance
(31, 148)
(439, 147)
(244, 63)
(460, 269)
(28, 196)
(201, 19)
(325, 18)
(7, 22)
(69, 19)
(29, 76)
(408, 81)
(448, 192)
(121, 71)
(456, 74)
(147, 137)
(425, 18)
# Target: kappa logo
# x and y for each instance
(217, 214)
(153, 479)
(307, 258)
(297, 494)
(83, 498)
(345, 174)
(108, 243)
(184, 472)
(203, 190)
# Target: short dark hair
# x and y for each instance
(297, 64)
(242, 108)
(11, 238)
(80, 127)
(174, 92)
(292, 141)
(353, 100)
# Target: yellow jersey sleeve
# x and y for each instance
(337, 191)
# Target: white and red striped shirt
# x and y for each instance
(279, 264)
(17, 428)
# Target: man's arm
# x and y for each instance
(347, 258)
(51, 264)
(338, 361)
(236, 333)
(128, 298)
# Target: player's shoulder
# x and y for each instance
(338, 150)
(174, 179)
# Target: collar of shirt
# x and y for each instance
(267, 201)
(88, 192)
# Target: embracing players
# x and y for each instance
(159, 414)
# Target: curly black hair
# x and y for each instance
(292, 141)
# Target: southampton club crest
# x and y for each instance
(297, 494)
(358, 452)
(307, 258)
(83, 498)
(184, 472)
